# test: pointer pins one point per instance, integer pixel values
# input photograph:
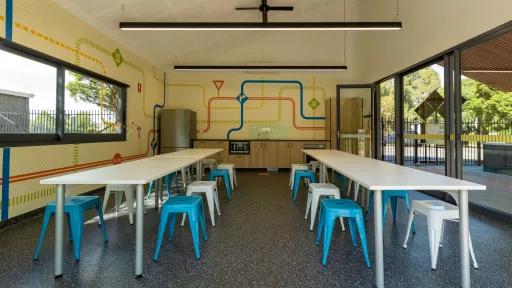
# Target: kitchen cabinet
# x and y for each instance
(257, 152)
(283, 154)
(296, 154)
(220, 145)
(241, 161)
(263, 154)
(200, 144)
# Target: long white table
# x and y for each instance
(139, 173)
(376, 175)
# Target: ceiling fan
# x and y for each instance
(264, 8)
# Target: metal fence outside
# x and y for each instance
(423, 148)
(44, 122)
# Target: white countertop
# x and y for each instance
(379, 175)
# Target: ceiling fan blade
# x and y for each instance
(247, 8)
(281, 8)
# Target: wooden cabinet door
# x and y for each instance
(297, 156)
(257, 152)
(284, 154)
(270, 154)
(221, 145)
(201, 144)
(240, 161)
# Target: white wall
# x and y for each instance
(429, 28)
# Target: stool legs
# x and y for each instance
(164, 216)
(308, 205)
(129, 202)
(46, 219)
(76, 230)
(328, 226)
(362, 237)
(325, 227)
(409, 225)
(216, 200)
(101, 222)
(314, 207)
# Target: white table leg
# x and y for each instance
(464, 238)
(59, 231)
(158, 192)
(322, 173)
(379, 242)
(199, 172)
(139, 230)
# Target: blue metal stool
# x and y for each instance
(329, 211)
(193, 206)
(343, 182)
(299, 174)
(224, 173)
(168, 183)
(391, 196)
(74, 208)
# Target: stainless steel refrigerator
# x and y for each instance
(177, 129)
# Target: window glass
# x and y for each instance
(91, 105)
(28, 95)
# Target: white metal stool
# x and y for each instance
(232, 173)
(209, 188)
(317, 190)
(316, 166)
(296, 167)
(437, 212)
(129, 194)
(208, 163)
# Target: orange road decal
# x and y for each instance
(218, 83)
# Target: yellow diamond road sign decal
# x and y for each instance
(313, 103)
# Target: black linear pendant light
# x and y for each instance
(264, 8)
(260, 68)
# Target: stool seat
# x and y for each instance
(327, 188)
(329, 211)
(74, 208)
(182, 203)
(426, 207)
(222, 173)
(193, 206)
(316, 191)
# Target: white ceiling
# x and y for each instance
(165, 48)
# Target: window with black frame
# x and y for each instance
(28, 95)
(44, 100)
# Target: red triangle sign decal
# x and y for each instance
(218, 83)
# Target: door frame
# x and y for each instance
(339, 87)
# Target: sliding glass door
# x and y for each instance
(423, 120)
(486, 90)
(354, 119)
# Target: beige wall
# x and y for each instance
(429, 28)
(45, 26)
(197, 91)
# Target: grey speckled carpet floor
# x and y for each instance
(260, 240)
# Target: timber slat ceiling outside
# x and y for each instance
(492, 55)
